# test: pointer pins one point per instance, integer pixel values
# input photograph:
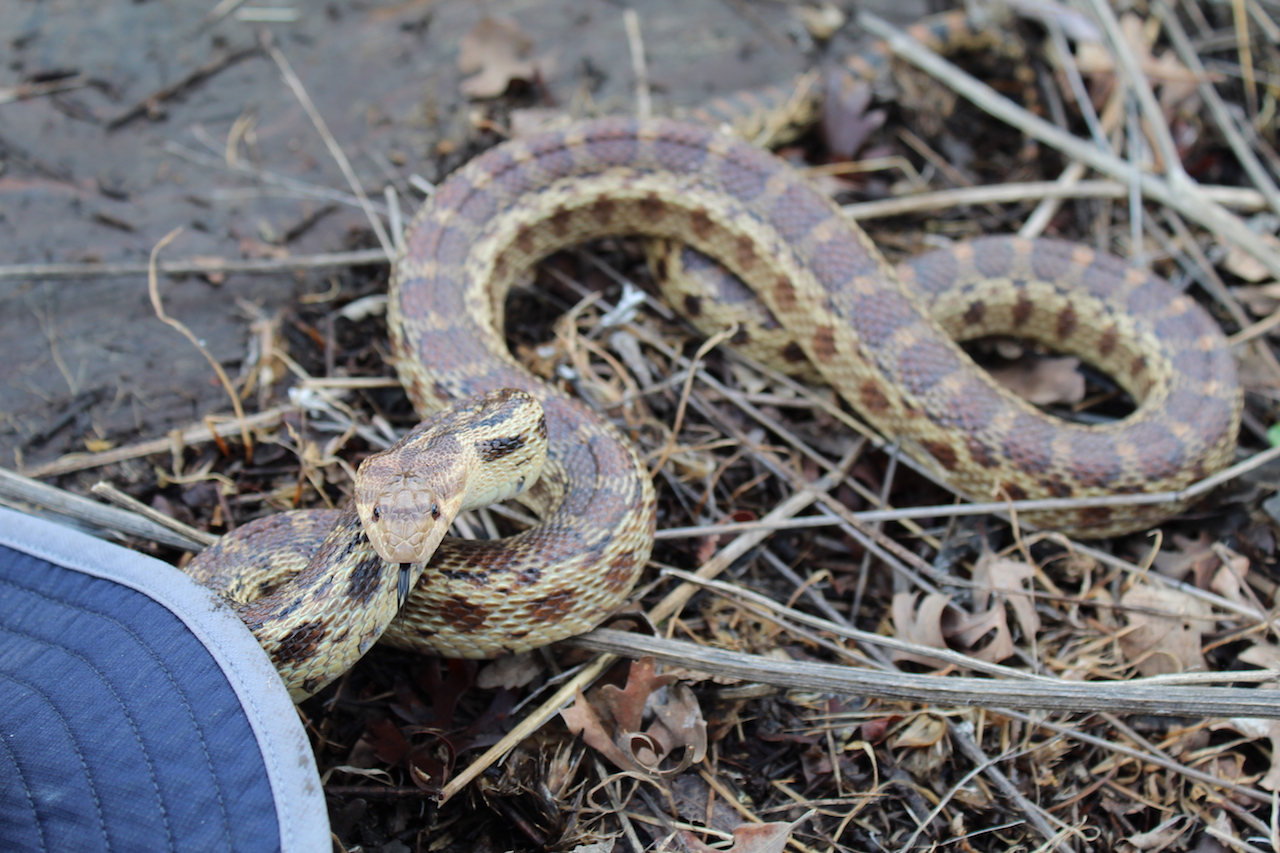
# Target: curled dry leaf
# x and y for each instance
(495, 52)
(1162, 836)
(920, 624)
(1194, 557)
(1261, 299)
(1044, 381)
(610, 722)
(996, 577)
(1252, 727)
(1165, 628)
(1241, 263)
(750, 838)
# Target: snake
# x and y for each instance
(885, 340)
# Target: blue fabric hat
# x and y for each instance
(137, 712)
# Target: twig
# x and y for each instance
(335, 150)
(154, 289)
(25, 91)
(669, 606)
(191, 435)
(943, 691)
(194, 266)
(1183, 197)
(18, 489)
(1130, 70)
(639, 67)
(1218, 108)
(165, 93)
(109, 492)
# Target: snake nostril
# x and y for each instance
(377, 513)
(435, 511)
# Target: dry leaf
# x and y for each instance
(1252, 727)
(749, 838)
(968, 629)
(1246, 266)
(495, 52)
(994, 577)
(1261, 299)
(1228, 580)
(1000, 576)
(924, 730)
(1043, 381)
(1166, 641)
(1192, 557)
(1265, 655)
(1162, 836)
(610, 722)
(921, 625)
(583, 720)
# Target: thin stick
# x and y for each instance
(639, 67)
(194, 266)
(105, 490)
(197, 434)
(335, 150)
(1183, 196)
(154, 289)
(945, 691)
(1218, 108)
(17, 491)
(199, 75)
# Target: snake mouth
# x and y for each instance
(404, 584)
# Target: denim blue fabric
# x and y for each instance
(119, 729)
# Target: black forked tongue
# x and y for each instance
(403, 588)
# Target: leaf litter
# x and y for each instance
(662, 756)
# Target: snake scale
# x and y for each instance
(884, 340)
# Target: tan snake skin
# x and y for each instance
(845, 311)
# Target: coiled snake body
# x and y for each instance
(873, 340)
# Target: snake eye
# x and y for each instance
(377, 513)
(435, 511)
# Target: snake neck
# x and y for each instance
(316, 624)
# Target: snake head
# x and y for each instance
(404, 512)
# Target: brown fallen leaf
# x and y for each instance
(750, 838)
(495, 52)
(1167, 640)
(1194, 557)
(1043, 380)
(1260, 299)
(1257, 729)
(611, 721)
(1162, 836)
(995, 578)
(919, 623)
(1241, 263)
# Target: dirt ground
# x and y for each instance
(86, 358)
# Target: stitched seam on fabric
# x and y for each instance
(278, 772)
(133, 723)
(282, 777)
(97, 803)
(159, 662)
(26, 789)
